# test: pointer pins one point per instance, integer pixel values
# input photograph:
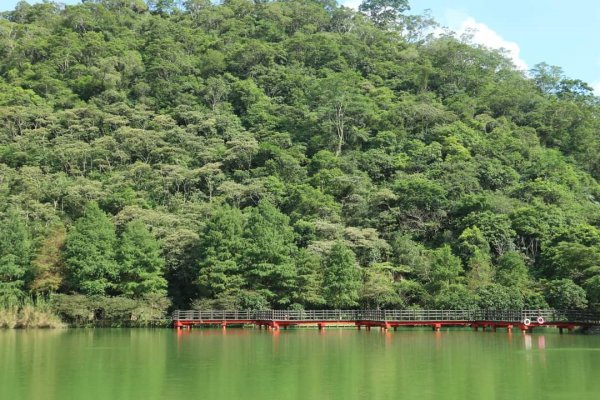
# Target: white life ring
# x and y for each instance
(526, 322)
(540, 320)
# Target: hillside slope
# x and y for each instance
(288, 154)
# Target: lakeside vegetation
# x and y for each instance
(284, 154)
(29, 314)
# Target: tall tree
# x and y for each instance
(221, 246)
(378, 289)
(140, 262)
(90, 253)
(564, 294)
(341, 277)
(309, 280)
(384, 12)
(512, 270)
(444, 267)
(269, 253)
(181, 250)
(48, 266)
(14, 256)
(342, 106)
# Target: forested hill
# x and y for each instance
(289, 154)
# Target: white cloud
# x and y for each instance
(482, 34)
(462, 24)
(596, 87)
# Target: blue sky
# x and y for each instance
(559, 32)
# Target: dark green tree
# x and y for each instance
(269, 253)
(444, 267)
(456, 297)
(564, 294)
(90, 253)
(378, 290)
(15, 253)
(140, 262)
(221, 247)
(498, 297)
(309, 280)
(341, 277)
(592, 288)
(181, 251)
(512, 271)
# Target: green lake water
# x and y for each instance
(250, 364)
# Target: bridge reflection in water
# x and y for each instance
(525, 320)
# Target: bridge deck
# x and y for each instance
(385, 319)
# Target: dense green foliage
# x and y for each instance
(14, 257)
(287, 154)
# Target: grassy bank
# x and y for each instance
(105, 311)
(61, 311)
(29, 314)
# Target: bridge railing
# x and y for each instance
(575, 316)
(308, 315)
(417, 315)
(213, 315)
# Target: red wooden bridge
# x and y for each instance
(525, 320)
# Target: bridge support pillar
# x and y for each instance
(395, 328)
(321, 326)
(494, 328)
(223, 325)
(436, 327)
(177, 325)
(570, 328)
(475, 327)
